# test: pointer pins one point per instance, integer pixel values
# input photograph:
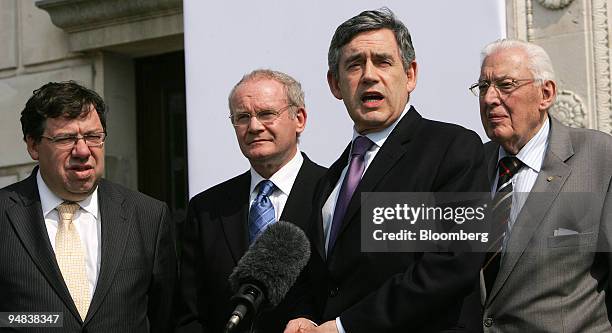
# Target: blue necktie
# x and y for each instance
(261, 214)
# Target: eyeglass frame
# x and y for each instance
(75, 139)
(495, 83)
(276, 113)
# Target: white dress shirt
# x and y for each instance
(327, 211)
(86, 221)
(283, 179)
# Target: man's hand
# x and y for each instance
(303, 325)
(326, 327)
(299, 325)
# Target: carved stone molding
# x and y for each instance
(107, 24)
(569, 109)
(529, 19)
(601, 57)
(79, 15)
(555, 4)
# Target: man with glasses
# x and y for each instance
(99, 256)
(550, 269)
(372, 69)
(268, 114)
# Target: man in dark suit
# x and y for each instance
(101, 255)
(372, 69)
(268, 113)
(551, 272)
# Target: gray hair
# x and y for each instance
(293, 89)
(539, 63)
(382, 18)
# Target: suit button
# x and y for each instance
(333, 292)
(488, 322)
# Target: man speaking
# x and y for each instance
(72, 243)
(372, 69)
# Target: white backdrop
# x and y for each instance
(226, 39)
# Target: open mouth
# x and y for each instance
(80, 167)
(371, 97)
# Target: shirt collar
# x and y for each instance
(49, 200)
(380, 137)
(532, 154)
(284, 177)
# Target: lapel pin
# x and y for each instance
(550, 178)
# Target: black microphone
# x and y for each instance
(267, 270)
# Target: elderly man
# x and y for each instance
(372, 69)
(72, 243)
(268, 113)
(550, 270)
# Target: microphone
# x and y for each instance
(267, 270)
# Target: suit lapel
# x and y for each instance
(322, 193)
(297, 198)
(116, 223)
(235, 222)
(28, 221)
(550, 180)
(492, 151)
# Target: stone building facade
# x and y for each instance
(97, 42)
(94, 42)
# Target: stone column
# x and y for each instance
(576, 34)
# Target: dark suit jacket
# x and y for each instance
(400, 292)
(215, 238)
(137, 269)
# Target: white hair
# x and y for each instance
(538, 60)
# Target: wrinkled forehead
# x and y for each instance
(257, 94)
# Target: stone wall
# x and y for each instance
(577, 36)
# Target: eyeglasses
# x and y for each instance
(68, 141)
(265, 117)
(503, 86)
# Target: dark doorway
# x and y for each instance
(162, 131)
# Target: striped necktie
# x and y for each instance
(502, 204)
(71, 258)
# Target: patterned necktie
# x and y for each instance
(361, 145)
(502, 204)
(261, 213)
(71, 258)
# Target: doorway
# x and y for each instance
(162, 130)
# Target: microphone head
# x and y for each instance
(274, 261)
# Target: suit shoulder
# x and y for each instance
(313, 167)
(446, 129)
(451, 134)
(591, 136)
(131, 195)
(221, 189)
(25, 187)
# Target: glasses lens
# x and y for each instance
(241, 119)
(64, 141)
(94, 140)
(267, 116)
